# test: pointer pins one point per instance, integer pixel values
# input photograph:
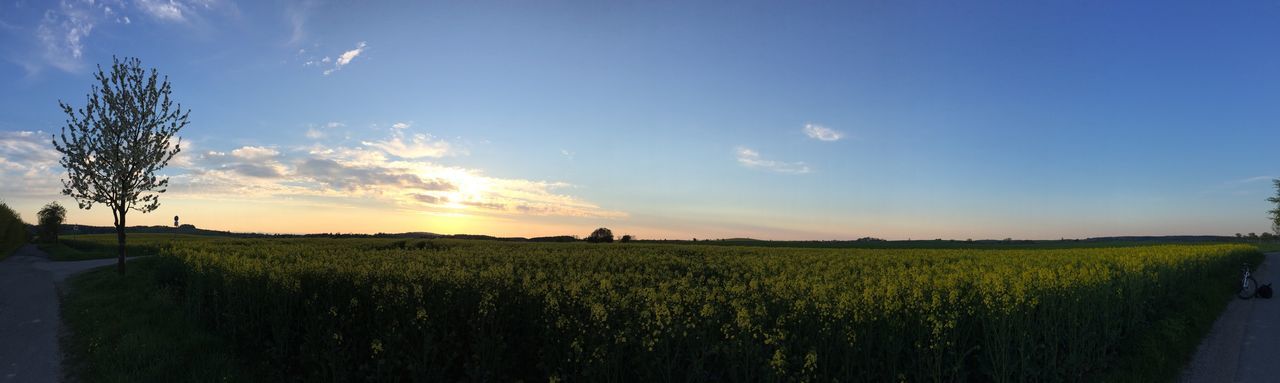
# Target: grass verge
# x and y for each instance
(61, 252)
(79, 249)
(129, 329)
(1160, 353)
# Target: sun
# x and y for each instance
(467, 188)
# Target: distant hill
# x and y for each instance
(1166, 238)
(72, 229)
(866, 242)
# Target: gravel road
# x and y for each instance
(1244, 344)
(29, 316)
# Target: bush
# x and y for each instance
(13, 232)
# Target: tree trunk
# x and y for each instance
(120, 244)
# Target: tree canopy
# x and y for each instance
(114, 145)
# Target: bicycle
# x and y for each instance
(1248, 285)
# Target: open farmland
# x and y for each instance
(417, 310)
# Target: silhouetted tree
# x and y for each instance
(600, 235)
(626, 238)
(50, 218)
(113, 146)
(1253, 235)
(1275, 213)
(1238, 235)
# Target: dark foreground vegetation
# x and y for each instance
(130, 328)
(13, 232)
(433, 310)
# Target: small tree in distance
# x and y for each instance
(50, 218)
(600, 235)
(113, 146)
(626, 238)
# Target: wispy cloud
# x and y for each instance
(752, 159)
(28, 164)
(412, 145)
(297, 14)
(565, 152)
(822, 133)
(316, 132)
(345, 58)
(1256, 179)
(163, 10)
(64, 31)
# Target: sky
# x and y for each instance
(674, 119)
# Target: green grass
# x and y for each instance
(129, 329)
(100, 246)
(1268, 247)
(62, 252)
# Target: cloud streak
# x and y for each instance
(64, 31)
(345, 58)
(751, 159)
(822, 133)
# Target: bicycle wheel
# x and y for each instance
(1248, 288)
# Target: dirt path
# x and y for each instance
(1244, 344)
(29, 316)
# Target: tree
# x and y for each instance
(50, 220)
(113, 146)
(600, 235)
(627, 238)
(1275, 213)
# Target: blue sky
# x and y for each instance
(821, 120)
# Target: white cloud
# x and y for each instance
(566, 153)
(29, 165)
(751, 159)
(164, 10)
(365, 175)
(64, 30)
(345, 58)
(415, 146)
(822, 133)
(62, 33)
(314, 134)
(255, 153)
(400, 125)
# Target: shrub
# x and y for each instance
(13, 232)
